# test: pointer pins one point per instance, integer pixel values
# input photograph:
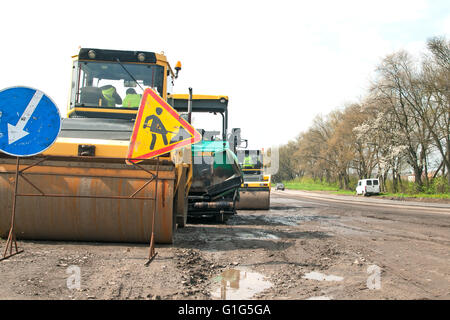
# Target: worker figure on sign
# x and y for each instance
(157, 127)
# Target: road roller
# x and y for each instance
(216, 175)
(254, 193)
(81, 188)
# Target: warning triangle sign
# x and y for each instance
(158, 129)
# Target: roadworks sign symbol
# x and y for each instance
(158, 129)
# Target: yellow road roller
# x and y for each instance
(254, 193)
(81, 189)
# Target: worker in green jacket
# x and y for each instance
(248, 162)
(132, 99)
(111, 95)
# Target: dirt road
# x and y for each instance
(307, 246)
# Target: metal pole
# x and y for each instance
(11, 236)
(190, 106)
(152, 252)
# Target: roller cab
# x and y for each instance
(254, 193)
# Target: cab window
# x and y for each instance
(73, 91)
(107, 84)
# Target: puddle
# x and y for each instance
(320, 298)
(321, 277)
(277, 218)
(292, 220)
(239, 284)
(256, 235)
(283, 220)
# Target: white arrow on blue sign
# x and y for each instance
(29, 121)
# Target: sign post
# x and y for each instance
(29, 124)
(158, 129)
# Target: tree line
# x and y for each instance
(401, 125)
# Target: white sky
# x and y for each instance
(280, 62)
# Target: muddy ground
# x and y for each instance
(302, 248)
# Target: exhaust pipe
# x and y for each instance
(190, 106)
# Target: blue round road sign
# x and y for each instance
(29, 121)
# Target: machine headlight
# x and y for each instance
(141, 57)
(91, 54)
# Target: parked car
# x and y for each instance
(368, 186)
(280, 186)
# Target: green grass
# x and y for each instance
(418, 195)
(308, 184)
(311, 185)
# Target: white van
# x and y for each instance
(368, 186)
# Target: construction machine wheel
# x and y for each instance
(253, 199)
(88, 200)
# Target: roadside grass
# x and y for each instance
(417, 195)
(311, 185)
(308, 184)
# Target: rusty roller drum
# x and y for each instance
(254, 199)
(87, 219)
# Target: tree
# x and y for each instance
(403, 121)
(288, 164)
(399, 94)
(436, 84)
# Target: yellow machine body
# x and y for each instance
(85, 191)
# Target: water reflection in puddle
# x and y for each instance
(321, 277)
(283, 220)
(255, 235)
(239, 284)
(277, 218)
